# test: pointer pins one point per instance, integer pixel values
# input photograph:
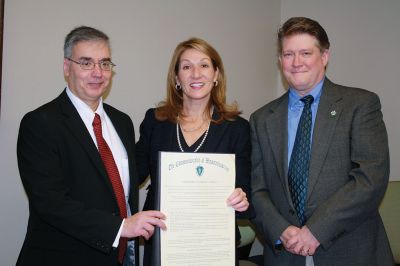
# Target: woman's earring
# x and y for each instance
(216, 83)
(177, 87)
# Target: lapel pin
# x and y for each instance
(333, 113)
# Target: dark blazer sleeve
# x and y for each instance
(242, 149)
(56, 203)
(143, 148)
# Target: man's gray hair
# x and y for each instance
(82, 33)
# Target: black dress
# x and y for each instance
(227, 137)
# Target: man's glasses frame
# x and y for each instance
(105, 65)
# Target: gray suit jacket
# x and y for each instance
(349, 172)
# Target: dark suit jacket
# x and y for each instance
(227, 137)
(349, 172)
(74, 216)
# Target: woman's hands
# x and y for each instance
(238, 200)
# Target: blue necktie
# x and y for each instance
(300, 160)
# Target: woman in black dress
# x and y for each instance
(195, 118)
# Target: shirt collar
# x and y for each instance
(83, 109)
(294, 98)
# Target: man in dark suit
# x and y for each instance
(320, 162)
(76, 161)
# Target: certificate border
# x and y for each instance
(157, 235)
(156, 248)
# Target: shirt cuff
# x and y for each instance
(278, 245)
(116, 241)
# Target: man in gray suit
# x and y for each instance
(327, 214)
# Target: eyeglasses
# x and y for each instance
(105, 65)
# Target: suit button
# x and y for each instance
(292, 212)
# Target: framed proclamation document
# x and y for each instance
(193, 193)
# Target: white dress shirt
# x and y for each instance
(110, 135)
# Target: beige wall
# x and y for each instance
(364, 36)
(143, 35)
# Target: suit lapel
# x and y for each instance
(275, 124)
(127, 140)
(78, 129)
(120, 128)
(328, 114)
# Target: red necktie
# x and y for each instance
(113, 174)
